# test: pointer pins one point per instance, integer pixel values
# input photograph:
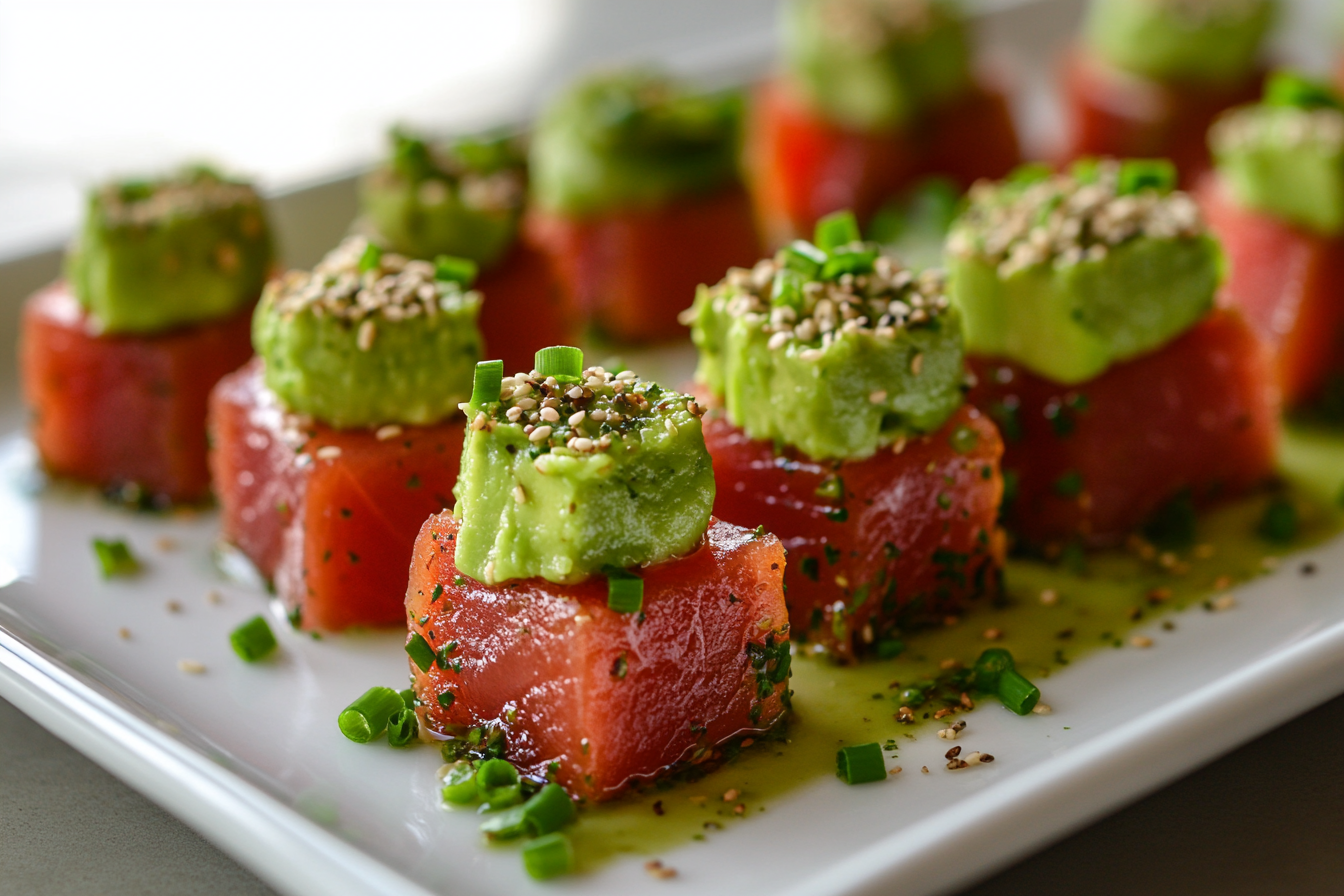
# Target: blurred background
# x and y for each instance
(294, 92)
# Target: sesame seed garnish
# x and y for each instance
(1141, 641)
(328, 452)
(658, 870)
(730, 795)
(1223, 602)
(540, 434)
(520, 494)
(124, 633)
(367, 333)
(191, 667)
(214, 597)
(390, 431)
(1279, 127)
(165, 544)
(878, 397)
(173, 606)
(1042, 709)
(1049, 597)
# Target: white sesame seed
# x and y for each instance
(191, 667)
(878, 397)
(540, 434)
(513, 414)
(1141, 641)
(1042, 709)
(367, 333)
(519, 494)
(577, 417)
(526, 404)
(670, 426)
(390, 431)
(583, 444)
(811, 354)
(328, 452)
(550, 415)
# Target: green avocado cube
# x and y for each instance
(1284, 161)
(153, 255)
(563, 477)
(1177, 41)
(1067, 275)
(368, 338)
(873, 64)
(633, 140)
(462, 199)
(853, 364)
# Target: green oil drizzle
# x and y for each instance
(1095, 606)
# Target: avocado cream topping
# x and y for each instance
(1068, 273)
(566, 475)
(633, 140)
(370, 337)
(834, 364)
(459, 198)
(1285, 156)
(876, 64)
(1211, 42)
(153, 255)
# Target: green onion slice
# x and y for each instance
(498, 783)
(1279, 523)
(1137, 175)
(459, 784)
(805, 258)
(836, 229)
(625, 590)
(485, 384)
(115, 557)
(371, 257)
(368, 716)
(990, 667)
(253, 639)
(506, 825)
(418, 649)
(560, 361)
(549, 856)
(408, 698)
(1018, 694)
(402, 728)
(1287, 88)
(452, 269)
(550, 810)
(787, 289)
(849, 261)
(861, 764)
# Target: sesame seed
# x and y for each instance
(368, 331)
(811, 354)
(917, 364)
(214, 597)
(993, 634)
(124, 633)
(878, 397)
(1042, 709)
(550, 415)
(1049, 597)
(1223, 602)
(165, 544)
(173, 606)
(520, 494)
(670, 426)
(730, 795)
(1141, 641)
(583, 444)
(191, 667)
(390, 431)
(540, 434)
(577, 417)
(328, 452)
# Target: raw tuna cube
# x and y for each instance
(330, 515)
(126, 410)
(897, 538)
(632, 272)
(1114, 113)
(801, 166)
(1096, 460)
(1289, 283)
(609, 697)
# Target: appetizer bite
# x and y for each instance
(874, 95)
(579, 610)
(1151, 75)
(118, 359)
(333, 446)
(464, 198)
(1087, 300)
(637, 200)
(839, 425)
(1276, 200)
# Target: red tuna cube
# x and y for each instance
(1109, 112)
(1290, 286)
(124, 410)
(1096, 460)
(801, 166)
(610, 697)
(897, 538)
(632, 272)
(330, 515)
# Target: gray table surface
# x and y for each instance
(1268, 818)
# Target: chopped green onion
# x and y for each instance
(804, 258)
(1086, 170)
(849, 261)
(964, 439)
(996, 673)
(115, 558)
(485, 383)
(890, 649)
(625, 590)
(459, 784)
(1292, 89)
(1017, 693)
(1137, 175)
(368, 716)
(550, 810)
(408, 698)
(1029, 173)
(370, 259)
(1173, 525)
(836, 229)
(548, 856)
(418, 649)
(1279, 523)
(462, 271)
(787, 289)
(861, 764)
(402, 728)
(560, 361)
(506, 825)
(253, 639)
(498, 783)
(446, 699)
